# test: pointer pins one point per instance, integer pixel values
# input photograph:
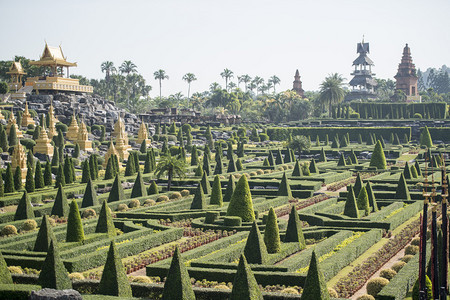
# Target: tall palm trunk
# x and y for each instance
(169, 179)
(160, 87)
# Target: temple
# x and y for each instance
(16, 71)
(297, 85)
(83, 138)
(12, 122)
(43, 144)
(362, 82)
(143, 135)
(26, 117)
(406, 77)
(19, 159)
(72, 132)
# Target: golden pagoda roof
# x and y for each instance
(16, 68)
(52, 56)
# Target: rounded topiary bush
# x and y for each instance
(52, 221)
(260, 172)
(289, 290)
(122, 207)
(29, 225)
(232, 221)
(8, 230)
(15, 270)
(149, 202)
(365, 297)
(211, 216)
(375, 285)
(415, 241)
(398, 266)
(88, 213)
(162, 198)
(222, 287)
(406, 258)
(333, 293)
(76, 276)
(411, 250)
(142, 279)
(175, 196)
(185, 193)
(253, 174)
(388, 273)
(134, 203)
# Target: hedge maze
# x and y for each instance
(250, 214)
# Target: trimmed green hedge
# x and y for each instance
(17, 291)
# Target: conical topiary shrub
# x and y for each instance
(5, 274)
(116, 193)
(216, 193)
(130, 168)
(271, 159)
(313, 167)
(272, 233)
(417, 166)
(353, 158)
(370, 194)
(358, 184)
(407, 171)
(315, 287)
(378, 159)
(351, 208)
(205, 184)
(199, 201)
(363, 201)
(153, 189)
(60, 206)
(231, 165)
(294, 232)
(425, 138)
(255, 249)
(219, 165)
(322, 157)
(90, 195)
(341, 162)
(105, 222)
(38, 176)
(53, 273)
(413, 171)
(206, 164)
(178, 283)
(75, 232)
(24, 210)
(139, 189)
(279, 160)
(114, 280)
(245, 286)
(230, 189)
(45, 236)
(284, 189)
(239, 165)
(402, 191)
(241, 204)
(297, 169)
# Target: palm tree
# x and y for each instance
(172, 166)
(160, 75)
(331, 90)
(257, 81)
(214, 86)
(245, 79)
(232, 85)
(128, 67)
(227, 74)
(189, 77)
(274, 80)
(108, 68)
(299, 142)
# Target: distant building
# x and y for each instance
(406, 77)
(362, 82)
(297, 85)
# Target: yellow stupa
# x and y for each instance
(72, 132)
(122, 146)
(111, 151)
(26, 117)
(12, 122)
(119, 128)
(43, 144)
(52, 122)
(83, 138)
(143, 135)
(19, 159)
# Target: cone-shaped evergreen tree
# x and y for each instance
(353, 158)
(370, 194)
(3, 140)
(335, 143)
(205, 184)
(30, 160)
(199, 170)
(216, 193)
(294, 232)
(360, 141)
(341, 161)
(206, 165)
(105, 222)
(417, 166)
(363, 201)
(45, 236)
(425, 138)
(230, 189)
(297, 169)
(239, 165)
(344, 142)
(245, 286)
(315, 287)
(5, 274)
(55, 157)
(130, 167)
(12, 138)
(231, 165)
(358, 184)
(194, 156)
(153, 189)
(323, 157)
(241, 204)
(284, 188)
(178, 283)
(351, 208)
(407, 171)
(148, 163)
(413, 171)
(86, 175)
(2, 188)
(378, 159)
(53, 273)
(272, 233)
(370, 141)
(279, 159)
(109, 172)
(114, 280)
(266, 162)
(60, 178)
(402, 191)
(75, 232)
(18, 179)
(29, 180)
(116, 193)
(38, 176)
(48, 181)
(255, 249)
(76, 151)
(312, 167)
(229, 150)
(139, 189)
(143, 148)
(67, 170)
(136, 161)
(219, 166)
(24, 209)
(199, 201)
(396, 140)
(60, 206)
(271, 159)
(90, 195)
(348, 161)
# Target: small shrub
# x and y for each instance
(290, 290)
(88, 213)
(232, 221)
(365, 297)
(175, 196)
(142, 279)
(9, 230)
(260, 172)
(415, 241)
(29, 225)
(411, 250)
(15, 270)
(253, 174)
(76, 276)
(149, 202)
(52, 221)
(162, 198)
(185, 193)
(388, 273)
(375, 285)
(406, 258)
(417, 116)
(333, 293)
(222, 287)
(398, 266)
(134, 203)
(122, 207)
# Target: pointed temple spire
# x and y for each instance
(297, 85)
(406, 77)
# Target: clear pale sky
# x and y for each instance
(203, 37)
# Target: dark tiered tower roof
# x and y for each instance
(297, 85)
(406, 78)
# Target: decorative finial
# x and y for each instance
(363, 39)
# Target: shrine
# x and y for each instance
(297, 85)
(406, 77)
